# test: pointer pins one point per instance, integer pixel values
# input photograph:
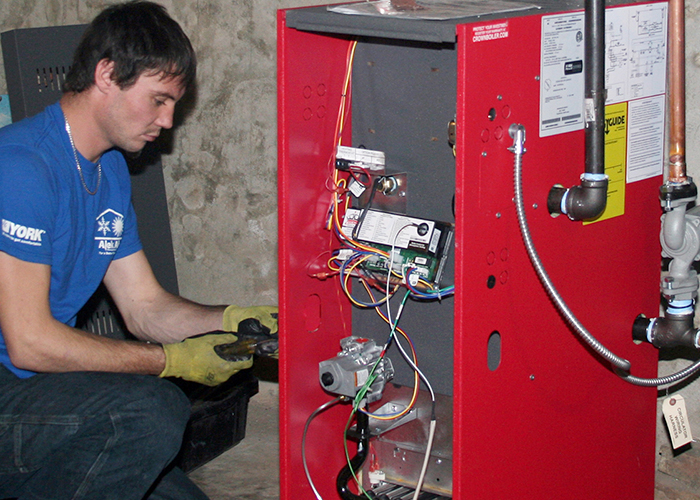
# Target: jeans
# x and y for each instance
(92, 436)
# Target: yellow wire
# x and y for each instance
(415, 361)
(330, 264)
(341, 183)
(346, 278)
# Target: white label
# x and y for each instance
(356, 188)
(645, 138)
(635, 51)
(344, 254)
(387, 229)
(635, 62)
(561, 74)
(677, 421)
(373, 160)
(361, 377)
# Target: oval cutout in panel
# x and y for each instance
(312, 312)
(493, 351)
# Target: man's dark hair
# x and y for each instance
(138, 37)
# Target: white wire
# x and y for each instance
(394, 324)
(433, 422)
(415, 368)
(318, 410)
(428, 450)
(388, 279)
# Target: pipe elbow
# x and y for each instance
(582, 202)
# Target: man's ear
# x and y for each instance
(104, 72)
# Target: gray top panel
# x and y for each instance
(319, 19)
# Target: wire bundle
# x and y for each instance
(351, 260)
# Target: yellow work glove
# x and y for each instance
(266, 315)
(195, 360)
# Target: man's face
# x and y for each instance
(137, 114)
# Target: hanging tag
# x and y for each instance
(677, 421)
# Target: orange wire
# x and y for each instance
(416, 379)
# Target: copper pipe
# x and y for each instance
(676, 79)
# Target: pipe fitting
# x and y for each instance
(673, 194)
(582, 202)
(665, 332)
(675, 329)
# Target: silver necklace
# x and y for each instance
(80, 169)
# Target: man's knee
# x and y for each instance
(156, 406)
(144, 414)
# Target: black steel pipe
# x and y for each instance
(588, 200)
(594, 81)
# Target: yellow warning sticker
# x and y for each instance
(615, 160)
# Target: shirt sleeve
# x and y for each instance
(27, 205)
(131, 243)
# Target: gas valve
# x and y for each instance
(348, 372)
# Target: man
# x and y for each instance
(81, 416)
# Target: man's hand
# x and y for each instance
(266, 315)
(194, 359)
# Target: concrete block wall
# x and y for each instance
(220, 170)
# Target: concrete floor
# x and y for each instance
(249, 470)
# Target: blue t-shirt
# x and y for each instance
(48, 217)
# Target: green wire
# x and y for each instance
(347, 456)
(361, 396)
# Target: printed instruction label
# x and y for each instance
(635, 51)
(635, 66)
(676, 417)
(561, 74)
(645, 148)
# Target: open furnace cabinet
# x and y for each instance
(525, 409)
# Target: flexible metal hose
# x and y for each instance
(622, 365)
(654, 382)
(618, 362)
